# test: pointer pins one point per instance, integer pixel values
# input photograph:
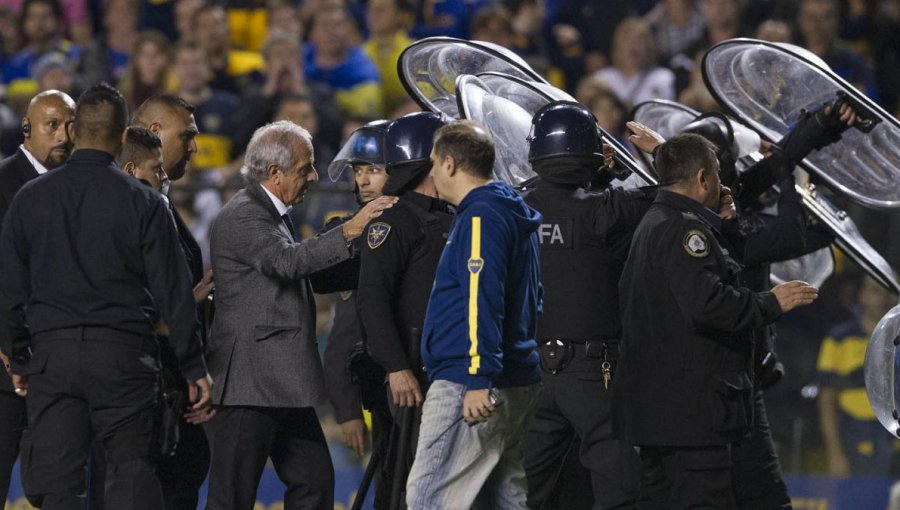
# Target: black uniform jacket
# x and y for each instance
(399, 258)
(683, 376)
(15, 171)
(761, 239)
(584, 239)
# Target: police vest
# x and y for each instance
(581, 261)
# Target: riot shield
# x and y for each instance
(882, 368)
(769, 86)
(813, 268)
(667, 119)
(428, 69)
(507, 122)
(498, 101)
(848, 238)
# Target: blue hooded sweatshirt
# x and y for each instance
(480, 324)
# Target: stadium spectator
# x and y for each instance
(634, 75)
(149, 72)
(330, 58)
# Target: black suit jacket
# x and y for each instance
(15, 171)
(190, 247)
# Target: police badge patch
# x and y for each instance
(378, 232)
(475, 265)
(695, 244)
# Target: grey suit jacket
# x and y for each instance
(262, 344)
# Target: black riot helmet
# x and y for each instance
(564, 128)
(365, 146)
(408, 144)
(716, 128)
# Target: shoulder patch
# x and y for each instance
(346, 294)
(377, 233)
(475, 265)
(695, 243)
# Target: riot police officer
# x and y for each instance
(352, 380)
(683, 392)
(763, 233)
(398, 263)
(769, 227)
(584, 241)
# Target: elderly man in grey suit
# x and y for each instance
(262, 345)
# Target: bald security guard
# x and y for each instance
(46, 146)
(172, 119)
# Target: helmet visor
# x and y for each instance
(365, 146)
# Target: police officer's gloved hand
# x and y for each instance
(769, 373)
(814, 130)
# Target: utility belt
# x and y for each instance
(558, 353)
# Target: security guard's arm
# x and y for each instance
(481, 259)
(169, 279)
(343, 393)
(688, 249)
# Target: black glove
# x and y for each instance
(814, 130)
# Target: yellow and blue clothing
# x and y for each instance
(480, 324)
(18, 71)
(247, 25)
(392, 91)
(842, 356)
(355, 82)
(215, 119)
(448, 18)
(840, 366)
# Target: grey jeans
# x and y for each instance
(478, 466)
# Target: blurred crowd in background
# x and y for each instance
(330, 66)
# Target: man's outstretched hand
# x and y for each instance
(795, 293)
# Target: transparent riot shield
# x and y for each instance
(881, 371)
(769, 86)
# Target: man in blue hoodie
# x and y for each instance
(478, 343)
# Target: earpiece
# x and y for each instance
(26, 126)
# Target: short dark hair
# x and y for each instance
(101, 114)
(170, 102)
(140, 143)
(680, 157)
(469, 145)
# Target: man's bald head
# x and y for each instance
(44, 127)
(171, 118)
(51, 96)
(158, 108)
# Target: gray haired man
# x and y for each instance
(262, 345)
